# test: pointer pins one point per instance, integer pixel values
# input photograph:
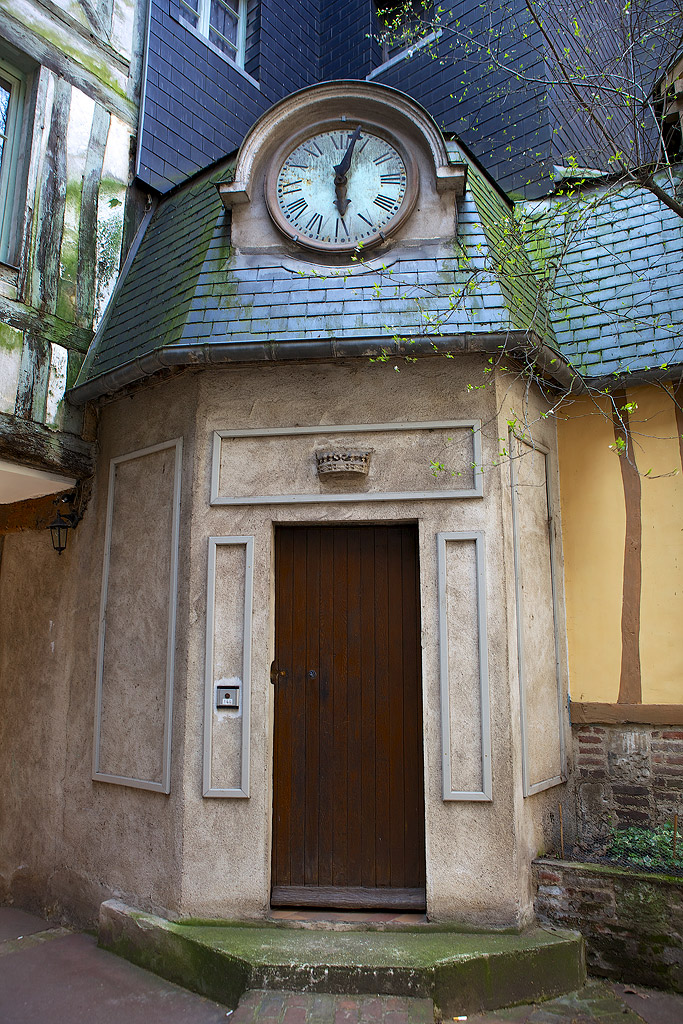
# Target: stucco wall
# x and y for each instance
(211, 856)
(66, 841)
(473, 848)
(595, 519)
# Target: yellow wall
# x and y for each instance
(593, 527)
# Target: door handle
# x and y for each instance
(276, 672)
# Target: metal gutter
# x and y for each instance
(515, 344)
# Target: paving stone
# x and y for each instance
(315, 1008)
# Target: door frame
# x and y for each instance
(356, 897)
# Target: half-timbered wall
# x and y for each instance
(73, 134)
(622, 543)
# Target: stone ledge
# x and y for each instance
(460, 972)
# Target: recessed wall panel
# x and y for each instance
(540, 698)
(228, 661)
(137, 622)
(466, 742)
(406, 460)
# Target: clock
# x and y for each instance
(341, 188)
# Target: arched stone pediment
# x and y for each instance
(374, 105)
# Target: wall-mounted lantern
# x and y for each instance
(61, 524)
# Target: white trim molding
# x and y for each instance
(209, 790)
(477, 491)
(529, 788)
(486, 792)
(164, 784)
(405, 54)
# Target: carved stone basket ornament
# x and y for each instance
(345, 461)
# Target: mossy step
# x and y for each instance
(461, 972)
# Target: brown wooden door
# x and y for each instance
(348, 815)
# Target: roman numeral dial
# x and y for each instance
(343, 189)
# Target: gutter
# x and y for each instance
(515, 344)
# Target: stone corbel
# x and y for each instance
(451, 178)
(233, 193)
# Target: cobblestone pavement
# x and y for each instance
(597, 1003)
(309, 1008)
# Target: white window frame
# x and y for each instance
(10, 153)
(388, 61)
(203, 25)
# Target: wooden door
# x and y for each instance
(348, 814)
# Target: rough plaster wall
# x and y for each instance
(536, 816)
(37, 604)
(137, 617)
(174, 852)
(463, 667)
(227, 726)
(82, 841)
(470, 847)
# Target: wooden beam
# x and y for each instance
(588, 712)
(51, 328)
(32, 444)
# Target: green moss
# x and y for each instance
(610, 869)
(10, 338)
(508, 261)
(644, 903)
(61, 41)
(464, 972)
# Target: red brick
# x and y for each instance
(589, 739)
(297, 1015)
(672, 735)
(396, 1017)
(371, 1010)
(549, 876)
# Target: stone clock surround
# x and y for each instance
(441, 180)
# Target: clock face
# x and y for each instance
(341, 189)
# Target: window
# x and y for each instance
(403, 24)
(12, 97)
(222, 22)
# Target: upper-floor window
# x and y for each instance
(222, 22)
(403, 24)
(12, 98)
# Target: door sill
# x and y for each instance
(343, 897)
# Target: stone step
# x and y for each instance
(460, 972)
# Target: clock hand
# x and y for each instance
(341, 170)
(341, 202)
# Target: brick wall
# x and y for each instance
(632, 922)
(626, 775)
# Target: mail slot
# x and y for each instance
(227, 697)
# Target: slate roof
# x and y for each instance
(617, 300)
(188, 290)
(608, 260)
